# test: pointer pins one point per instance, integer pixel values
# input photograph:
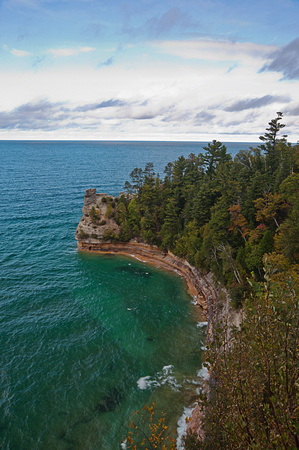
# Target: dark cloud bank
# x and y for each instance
(284, 60)
(254, 103)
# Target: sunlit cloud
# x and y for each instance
(69, 51)
(19, 53)
(148, 69)
(214, 50)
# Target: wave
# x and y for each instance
(165, 376)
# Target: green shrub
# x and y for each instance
(237, 294)
(94, 214)
(82, 234)
(109, 235)
(110, 211)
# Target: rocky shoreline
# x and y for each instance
(198, 287)
(212, 299)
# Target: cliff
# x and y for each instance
(97, 218)
(97, 231)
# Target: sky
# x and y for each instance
(192, 70)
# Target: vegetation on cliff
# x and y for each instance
(239, 219)
(220, 214)
(252, 401)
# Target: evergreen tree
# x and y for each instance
(271, 140)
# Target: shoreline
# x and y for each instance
(211, 301)
(198, 287)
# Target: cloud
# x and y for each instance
(38, 60)
(284, 60)
(254, 103)
(34, 115)
(46, 115)
(108, 62)
(214, 50)
(144, 116)
(20, 53)
(69, 51)
(170, 21)
(105, 104)
(231, 68)
(293, 111)
(203, 116)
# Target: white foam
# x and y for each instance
(162, 378)
(167, 368)
(203, 373)
(182, 427)
(202, 324)
(146, 382)
(139, 259)
(193, 301)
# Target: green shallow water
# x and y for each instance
(123, 335)
(85, 339)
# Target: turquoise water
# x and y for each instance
(85, 339)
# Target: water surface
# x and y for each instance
(85, 339)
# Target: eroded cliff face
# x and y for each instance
(97, 220)
(96, 232)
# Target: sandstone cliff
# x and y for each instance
(97, 219)
(97, 232)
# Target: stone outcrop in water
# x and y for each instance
(97, 217)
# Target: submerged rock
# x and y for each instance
(110, 401)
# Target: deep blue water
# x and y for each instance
(85, 339)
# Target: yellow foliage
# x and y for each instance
(148, 429)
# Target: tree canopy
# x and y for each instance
(239, 219)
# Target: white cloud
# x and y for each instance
(214, 50)
(20, 53)
(69, 51)
(152, 100)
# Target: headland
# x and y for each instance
(98, 232)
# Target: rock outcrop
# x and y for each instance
(98, 217)
(98, 232)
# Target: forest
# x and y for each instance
(218, 213)
(237, 218)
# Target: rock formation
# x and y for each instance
(98, 231)
(97, 220)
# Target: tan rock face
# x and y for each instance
(98, 217)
